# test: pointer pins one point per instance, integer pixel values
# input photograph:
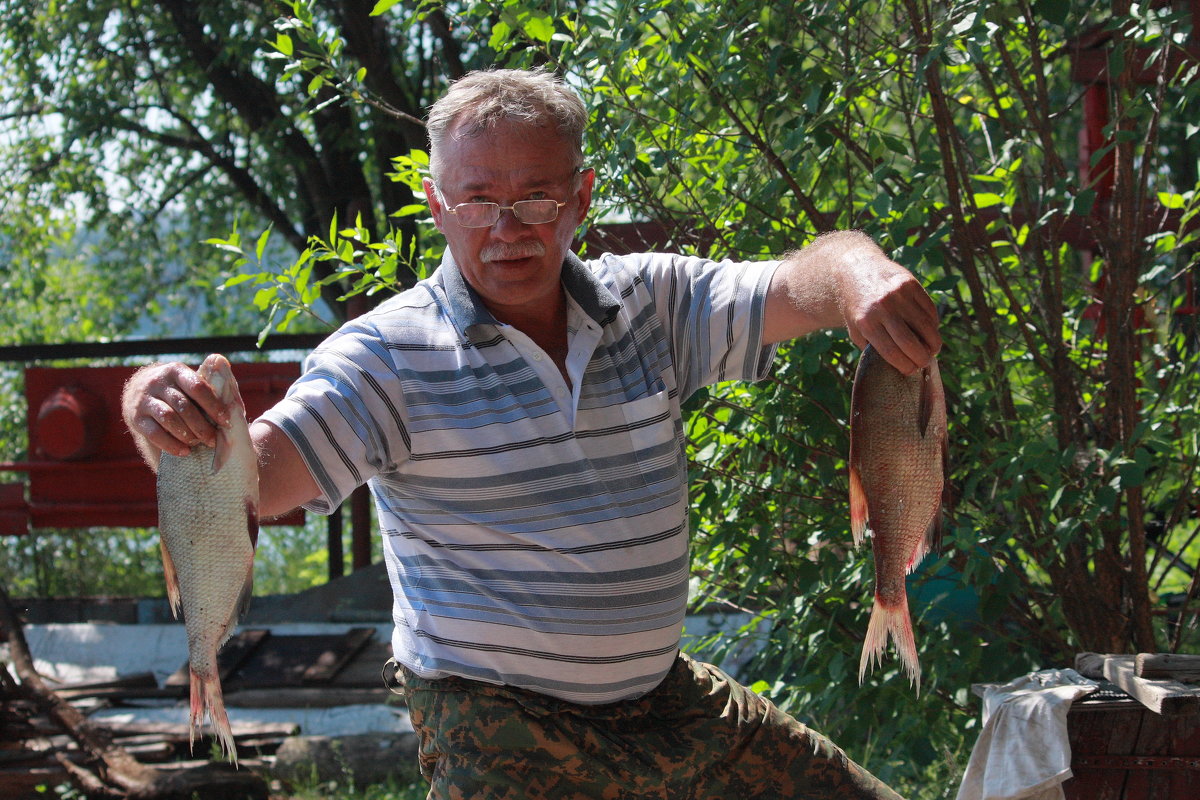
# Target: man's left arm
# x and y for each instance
(844, 279)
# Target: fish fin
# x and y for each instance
(858, 507)
(931, 542)
(925, 401)
(252, 523)
(223, 451)
(196, 705)
(172, 579)
(895, 621)
(933, 536)
(947, 494)
(206, 695)
(243, 603)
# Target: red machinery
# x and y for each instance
(83, 468)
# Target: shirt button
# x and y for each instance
(537, 356)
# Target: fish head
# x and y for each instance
(218, 373)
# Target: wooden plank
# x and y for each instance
(229, 658)
(307, 697)
(366, 668)
(140, 680)
(1160, 696)
(237, 651)
(286, 660)
(1099, 733)
(180, 729)
(1169, 666)
(330, 662)
(1153, 739)
(124, 693)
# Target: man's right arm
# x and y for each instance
(170, 408)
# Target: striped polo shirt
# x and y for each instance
(535, 534)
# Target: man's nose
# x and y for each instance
(507, 227)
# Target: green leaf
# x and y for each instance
(1171, 200)
(1055, 11)
(265, 297)
(382, 6)
(261, 245)
(500, 34)
(229, 248)
(540, 27)
(283, 43)
(987, 199)
(237, 279)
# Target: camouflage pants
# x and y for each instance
(699, 734)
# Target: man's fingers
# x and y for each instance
(201, 395)
(154, 426)
(192, 425)
(174, 409)
(902, 326)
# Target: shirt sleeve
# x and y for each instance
(345, 414)
(713, 313)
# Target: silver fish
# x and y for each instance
(208, 524)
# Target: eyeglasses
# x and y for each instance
(485, 215)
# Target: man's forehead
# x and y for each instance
(490, 161)
(478, 177)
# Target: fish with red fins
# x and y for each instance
(208, 524)
(898, 456)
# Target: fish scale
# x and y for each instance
(207, 509)
(897, 475)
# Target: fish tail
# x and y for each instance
(893, 620)
(206, 694)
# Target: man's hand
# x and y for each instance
(170, 408)
(884, 305)
(844, 279)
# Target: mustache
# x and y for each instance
(505, 252)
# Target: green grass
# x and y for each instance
(332, 790)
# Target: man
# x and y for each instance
(518, 417)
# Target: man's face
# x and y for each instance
(513, 266)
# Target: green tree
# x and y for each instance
(1067, 283)
(159, 124)
(131, 135)
(951, 134)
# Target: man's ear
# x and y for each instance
(587, 179)
(435, 204)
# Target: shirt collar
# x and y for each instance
(468, 309)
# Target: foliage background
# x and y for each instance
(950, 132)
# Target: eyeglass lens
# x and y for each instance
(528, 212)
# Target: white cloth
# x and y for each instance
(1022, 751)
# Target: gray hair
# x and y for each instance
(480, 100)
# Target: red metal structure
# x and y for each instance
(83, 468)
(1090, 67)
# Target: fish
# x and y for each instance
(208, 530)
(898, 466)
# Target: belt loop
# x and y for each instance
(393, 676)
